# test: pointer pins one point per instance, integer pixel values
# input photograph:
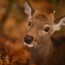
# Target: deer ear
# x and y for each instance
(61, 23)
(28, 9)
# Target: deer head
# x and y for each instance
(40, 26)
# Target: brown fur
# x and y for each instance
(44, 51)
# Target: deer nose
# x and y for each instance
(28, 39)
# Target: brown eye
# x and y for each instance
(29, 24)
(47, 29)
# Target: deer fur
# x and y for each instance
(43, 51)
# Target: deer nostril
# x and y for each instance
(28, 39)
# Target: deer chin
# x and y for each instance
(31, 44)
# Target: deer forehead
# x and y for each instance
(41, 19)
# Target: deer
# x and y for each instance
(38, 38)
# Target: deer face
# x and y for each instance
(40, 26)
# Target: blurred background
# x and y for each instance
(59, 6)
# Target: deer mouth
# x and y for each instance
(29, 45)
(32, 44)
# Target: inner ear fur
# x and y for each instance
(59, 23)
(28, 8)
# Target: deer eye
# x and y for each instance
(47, 29)
(29, 24)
